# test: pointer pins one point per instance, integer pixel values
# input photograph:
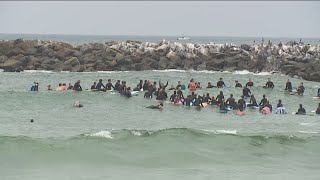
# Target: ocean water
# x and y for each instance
(112, 137)
(81, 39)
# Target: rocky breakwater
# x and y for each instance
(291, 58)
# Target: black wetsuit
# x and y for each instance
(153, 107)
(99, 86)
(249, 84)
(145, 87)
(300, 90)
(220, 84)
(253, 102)
(246, 91)
(263, 101)
(161, 97)
(187, 102)
(210, 86)
(180, 93)
(288, 87)
(93, 87)
(301, 111)
(148, 94)
(77, 87)
(117, 87)
(206, 99)
(242, 104)
(173, 97)
(220, 98)
(279, 105)
(238, 85)
(198, 102)
(231, 102)
(270, 84)
(109, 86)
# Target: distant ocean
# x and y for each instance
(80, 39)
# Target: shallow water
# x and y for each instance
(112, 137)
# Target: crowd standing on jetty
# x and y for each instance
(152, 89)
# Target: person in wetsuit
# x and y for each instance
(100, 86)
(210, 85)
(301, 110)
(148, 94)
(269, 84)
(198, 85)
(220, 83)
(93, 87)
(187, 101)
(35, 86)
(242, 103)
(145, 86)
(220, 98)
(300, 89)
(250, 83)
(246, 92)
(109, 85)
(238, 84)
(319, 92)
(198, 102)
(140, 85)
(162, 95)
(179, 85)
(288, 86)
(179, 92)
(160, 106)
(117, 86)
(77, 86)
(162, 86)
(263, 100)
(206, 98)
(318, 110)
(231, 101)
(253, 101)
(173, 96)
(70, 87)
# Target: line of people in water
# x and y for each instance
(192, 99)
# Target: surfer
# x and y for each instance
(148, 94)
(187, 101)
(269, 84)
(100, 86)
(288, 86)
(231, 102)
(301, 110)
(220, 83)
(241, 103)
(109, 85)
(160, 106)
(319, 92)
(49, 88)
(246, 92)
(280, 108)
(249, 83)
(318, 110)
(238, 84)
(93, 87)
(59, 86)
(263, 100)
(77, 86)
(117, 86)
(300, 89)
(220, 98)
(173, 96)
(198, 102)
(35, 86)
(210, 85)
(252, 102)
(70, 87)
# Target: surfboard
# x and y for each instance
(316, 97)
(134, 93)
(205, 104)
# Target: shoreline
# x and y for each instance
(291, 58)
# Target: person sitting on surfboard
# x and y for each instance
(249, 83)
(220, 83)
(269, 84)
(100, 86)
(77, 86)
(173, 96)
(280, 108)
(301, 110)
(148, 94)
(198, 102)
(231, 101)
(288, 86)
(238, 84)
(242, 103)
(220, 98)
(300, 89)
(318, 110)
(252, 102)
(109, 85)
(263, 100)
(187, 101)
(206, 98)
(93, 87)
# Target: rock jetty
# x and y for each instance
(292, 58)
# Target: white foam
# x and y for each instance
(136, 133)
(308, 132)
(262, 74)
(37, 71)
(242, 72)
(1, 70)
(111, 72)
(104, 134)
(304, 124)
(170, 70)
(222, 131)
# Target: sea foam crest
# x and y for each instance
(221, 131)
(104, 134)
(37, 71)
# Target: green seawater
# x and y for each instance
(113, 137)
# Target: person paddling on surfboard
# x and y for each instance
(160, 106)
(209, 85)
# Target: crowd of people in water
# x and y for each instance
(151, 90)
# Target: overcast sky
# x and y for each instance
(245, 19)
